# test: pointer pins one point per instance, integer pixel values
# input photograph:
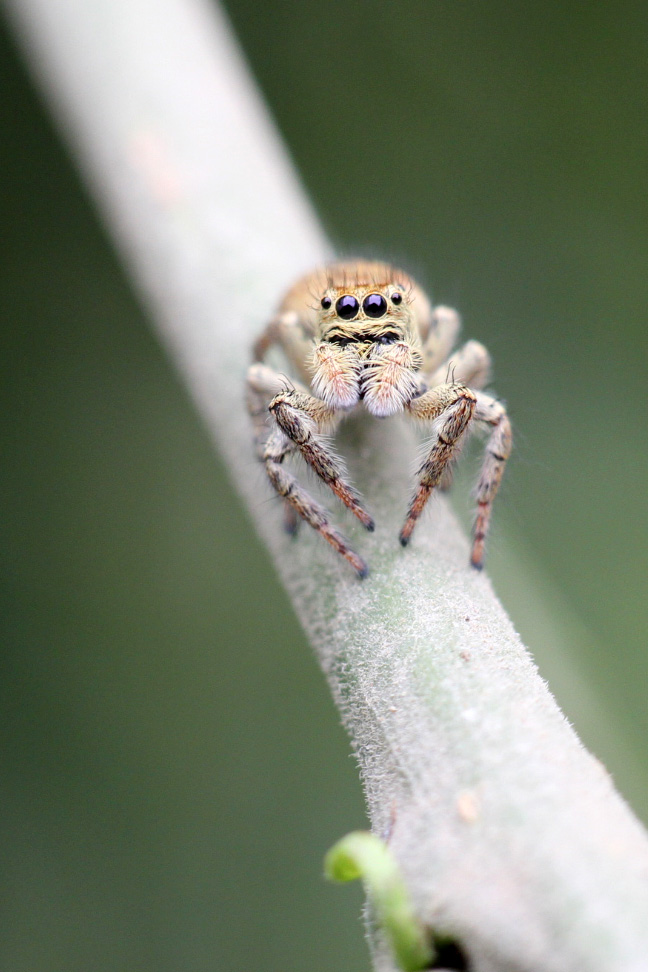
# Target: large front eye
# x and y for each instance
(374, 305)
(347, 307)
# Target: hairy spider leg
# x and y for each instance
(440, 338)
(262, 385)
(470, 365)
(298, 416)
(277, 448)
(498, 449)
(272, 447)
(451, 406)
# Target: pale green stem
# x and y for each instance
(363, 855)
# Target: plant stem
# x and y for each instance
(509, 835)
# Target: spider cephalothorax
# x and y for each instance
(367, 346)
(363, 332)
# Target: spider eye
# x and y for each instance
(347, 307)
(374, 305)
(326, 302)
(396, 298)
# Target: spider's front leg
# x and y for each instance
(451, 407)
(274, 446)
(276, 449)
(300, 417)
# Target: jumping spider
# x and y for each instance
(365, 332)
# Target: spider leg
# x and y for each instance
(498, 449)
(439, 341)
(471, 365)
(290, 520)
(272, 447)
(451, 407)
(276, 449)
(263, 383)
(276, 331)
(446, 478)
(300, 416)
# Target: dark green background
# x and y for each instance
(172, 766)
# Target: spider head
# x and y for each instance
(367, 346)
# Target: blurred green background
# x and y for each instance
(172, 767)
